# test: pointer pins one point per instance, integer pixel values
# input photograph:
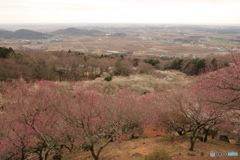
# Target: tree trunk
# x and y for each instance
(46, 154)
(23, 154)
(205, 137)
(206, 133)
(193, 139)
(57, 156)
(40, 155)
(238, 138)
(95, 157)
(192, 143)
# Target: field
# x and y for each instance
(140, 40)
(127, 44)
(220, 43)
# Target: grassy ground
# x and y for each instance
(145, 83)
(177, 148)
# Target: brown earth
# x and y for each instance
(177, 147)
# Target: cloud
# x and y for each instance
(139, 11)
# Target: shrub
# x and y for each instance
(176, 64)
(5, 52)
(158, 155)
(108, 78)
(153, 62)
(195, 66)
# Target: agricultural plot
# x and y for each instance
(154, 41)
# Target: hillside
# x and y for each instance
(177, 149)
(145, 83)
(77, 119)
(78, 32)
(28, 34)
(23, 34)
(5, 34)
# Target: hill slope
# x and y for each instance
(78, 32)
(28, 34)
(23, 34)
(177, 149)
(5, 34)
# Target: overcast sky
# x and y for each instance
(120, 11)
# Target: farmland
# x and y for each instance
(137, 39)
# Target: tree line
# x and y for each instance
(68, 66)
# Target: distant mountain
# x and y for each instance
(28, 34)
(78, 32)
(5, 34)
(23, 34)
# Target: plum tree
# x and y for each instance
(221, 88)
(197, 113)
(32, 108)
(99, 117)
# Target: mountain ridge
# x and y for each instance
(78, 32)
(23, 34)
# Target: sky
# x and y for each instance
(120, 11)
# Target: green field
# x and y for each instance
(218, 43)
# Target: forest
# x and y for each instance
(56, 103)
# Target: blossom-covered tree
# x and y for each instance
(32, 117)
(196, 112)
(45, 117)
(221, 88)
(99, 117)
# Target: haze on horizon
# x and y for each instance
(121, 11)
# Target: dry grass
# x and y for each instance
(145, 83)
(178, 149)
